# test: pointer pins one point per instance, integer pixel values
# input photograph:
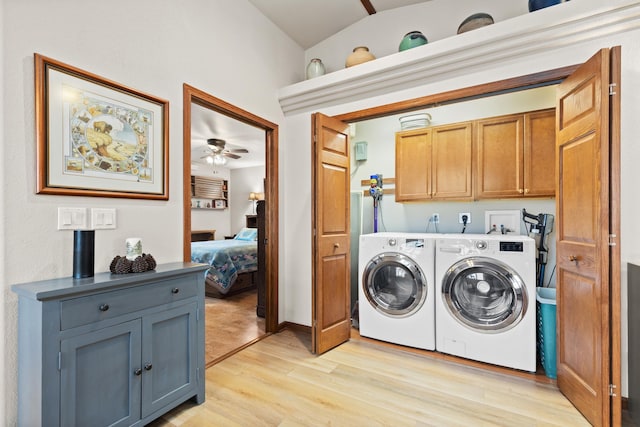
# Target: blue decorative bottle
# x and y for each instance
(541, 4)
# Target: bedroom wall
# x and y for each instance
(244, 181)
(227, 49)
(215, 219)
(297, 238)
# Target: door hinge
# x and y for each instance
(197, 314)
(612, 240)
(612, 388)
(612, 89)
(59, 361)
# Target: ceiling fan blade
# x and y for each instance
(239, 150)
(230, 155)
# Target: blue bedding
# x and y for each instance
(227, 259)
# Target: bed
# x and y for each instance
(233, 263)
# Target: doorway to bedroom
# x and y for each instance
(230, 219)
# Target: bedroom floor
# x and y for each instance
(230, 323)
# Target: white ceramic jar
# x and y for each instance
(315, 68)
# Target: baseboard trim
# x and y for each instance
(294, 327)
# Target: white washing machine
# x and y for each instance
(396, 292)
(486, 302)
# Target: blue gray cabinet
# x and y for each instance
(110, 350)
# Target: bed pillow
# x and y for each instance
(247, 234)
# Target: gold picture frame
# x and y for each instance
(96, 137)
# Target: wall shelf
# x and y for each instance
(480, 49)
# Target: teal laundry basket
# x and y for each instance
(546, 310)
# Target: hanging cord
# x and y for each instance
(551, 277)
(435, 225)
(464, 223)
(382, 226)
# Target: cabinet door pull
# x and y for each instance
(103, 307)
(137, 372)
(175, 290)
(148, 367)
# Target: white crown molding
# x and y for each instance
(545, 30)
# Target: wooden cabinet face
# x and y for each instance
(434, 163)
(515, 156)
(413, 165)
(499, 157)
(451, 161)
(540, 153)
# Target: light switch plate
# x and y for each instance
(103, 218)
(72, 218)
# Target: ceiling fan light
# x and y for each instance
(219, 160)
(210, 159)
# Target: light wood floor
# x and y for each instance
(231, 323)
(278, 382)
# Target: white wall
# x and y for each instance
(297, 237)
(244, 181)
(225, 48)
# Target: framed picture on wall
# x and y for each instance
(219, 204)
(96, 137)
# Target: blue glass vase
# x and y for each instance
(541, 4)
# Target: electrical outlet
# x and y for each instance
(435, 218)
(461, 214)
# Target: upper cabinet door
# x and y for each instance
(413, 165)
(499, 157)
(451, 162)
(540, 153)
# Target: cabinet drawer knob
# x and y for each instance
(175, 290)
(526, 191)
(103, 307)
(137, 372)
(520, 190)
(148, 367)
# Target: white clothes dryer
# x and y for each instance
(396, 292)
(486, 303)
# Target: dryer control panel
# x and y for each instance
(511, 247)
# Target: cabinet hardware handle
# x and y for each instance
(526, 191)
(574, 258)
(336, 245)
(137, 372)
(520, 190)
(175, 290)
(148, 367)
(103, 307)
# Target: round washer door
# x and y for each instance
(394, 284)
(484, 294)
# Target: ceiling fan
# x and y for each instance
(218, 151)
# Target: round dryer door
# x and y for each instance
(484, 294)
(394, 284)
